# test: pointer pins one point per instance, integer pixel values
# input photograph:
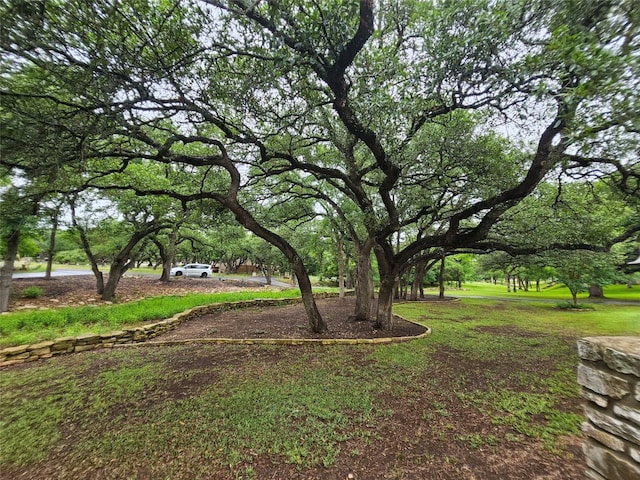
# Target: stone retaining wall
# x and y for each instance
(30, 353)
(609, 373)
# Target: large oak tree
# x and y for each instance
(360, 97)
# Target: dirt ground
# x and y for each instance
(81, 289)
(409, 448)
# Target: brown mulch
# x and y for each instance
(288, 322)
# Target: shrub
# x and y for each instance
(32, 292)
(574, 306)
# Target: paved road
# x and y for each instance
(261, 280)
(70, 272)
(55, 273)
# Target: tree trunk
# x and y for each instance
(165, 260)
(388, 279)
(340, 258)
(384, 316)
(316, 321)
(247, 220)
(441, 279)
(52, 247)
(87, 250)
(349, 282)
(115, 274)
(595, 291)
(268, 272)
(6, 272)
(364, 285)
(418, 280)
(92, 260)
(122, 263)
(299, 271)
(168, 254)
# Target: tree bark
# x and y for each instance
(384, 316)
(169, 255)
(6, 272)
(364, 286)
(316, 321)
(52, 246)
(441, 280)
(87, 250)
(340, 258)
(388, 279)
(595, 291)
(418, 280)
(299, 271)
(123, 262)
(268, 272)
(117, 269)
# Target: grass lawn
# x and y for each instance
(32, 326)
(555, 292)
(495, 380)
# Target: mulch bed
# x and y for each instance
(271, 322)
(288, 322)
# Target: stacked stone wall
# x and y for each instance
(59, 346)
(609, 372)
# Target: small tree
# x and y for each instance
(579, 269)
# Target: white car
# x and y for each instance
(192, 270)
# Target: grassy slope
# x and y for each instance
(32, 326)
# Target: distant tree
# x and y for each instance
(117, 240)
(17, 216)
(266, 258)
(580, 269)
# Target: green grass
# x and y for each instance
(30, 415)
(604, 319)
(555, 292)
(300, 413)
(32, 326)
(481, 331)
(250, 416)
(32, 292)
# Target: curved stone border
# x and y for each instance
(292, 341)
(141, 335)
